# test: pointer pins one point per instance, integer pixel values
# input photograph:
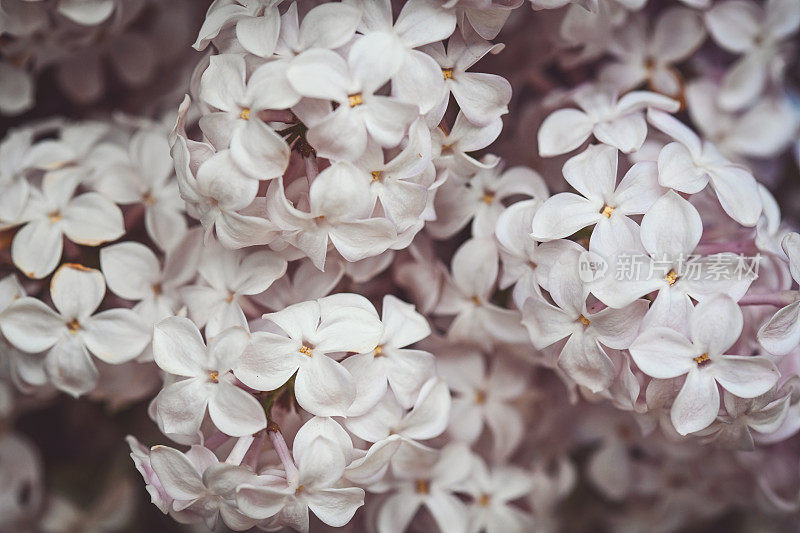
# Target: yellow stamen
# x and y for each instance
(422, 486)
(378, 351)
(245, 114)
(157, 289)
(672, 277)
(447, 73)
(213, 376)
(480, 397)
(299, 489)
(54, 217)
(73, 326)
(488, 197)
(585, 321)
(702, 359)
(305, 350)
(606, 211)
(148, 199)
(377, 175)
(476, 300)
(484, 500)
(355, 99)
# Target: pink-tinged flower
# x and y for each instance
(619, 123)
(429, 481)
(484, 397)
(202, 488)
(756, 32)
(689, 165)
(467, 296)
(312, 482)
(781, 334)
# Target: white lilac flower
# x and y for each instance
(133, 272)
(361, 114)
(716, 324)
(665, 249)
(55, 212)
(601, 203)
(255, 147)
(312, 332)
(481, 97)
(73, 331)
(525, 262)
(433, 484)
(493, 489)
(451, 150)
(467, 296)
(178, 348)
(143, 174)
(583, 357)
(340, 207)
(391, 364)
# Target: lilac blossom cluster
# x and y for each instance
(343, 308)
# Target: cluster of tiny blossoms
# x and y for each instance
(345, 311)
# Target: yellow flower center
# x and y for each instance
(585, 321)
(55, 216)
(355, 99)
(378, 351)
(213, 376)
(606, 211)
(422, 486)
(484, 500)
(377, 175)
(672, 277)
(73, 326)
(480, 397)
(488, 197)
(305, 350)
(245, 114)
(447, 73)
(702, 359)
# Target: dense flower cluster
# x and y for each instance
(332, 295)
